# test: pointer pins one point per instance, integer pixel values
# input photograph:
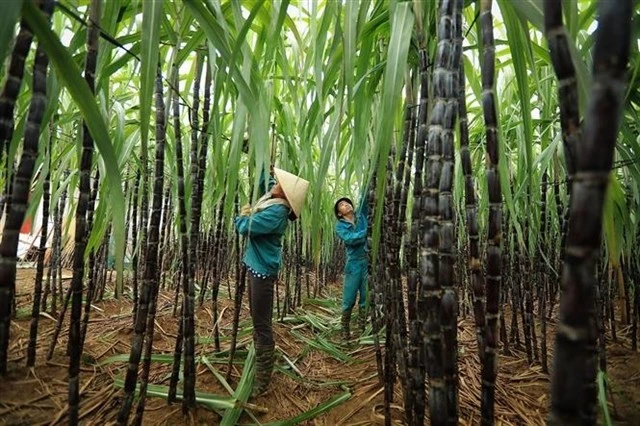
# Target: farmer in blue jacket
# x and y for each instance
(352, 229)
(264, 224)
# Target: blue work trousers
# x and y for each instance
(355, 281)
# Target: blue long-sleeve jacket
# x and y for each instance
(264, 230)
(354, 235)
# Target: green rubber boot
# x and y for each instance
(346, 319)
(264, 367)
(362, 321)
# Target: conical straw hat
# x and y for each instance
(294, 188)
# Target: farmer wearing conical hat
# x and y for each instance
(264, 224)
(352, 229)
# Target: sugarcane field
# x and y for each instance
(319, 212)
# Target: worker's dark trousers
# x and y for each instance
(261, 305)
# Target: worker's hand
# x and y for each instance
(246, 210)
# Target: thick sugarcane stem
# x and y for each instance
(494, 234)
(44, 234)
(15, 215)
(474, 261)
(184, 242)
(148, 292)
(574, 390)
(82, 226)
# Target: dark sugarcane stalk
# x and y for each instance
(494, 234)
(277, 295)
(44, 233)
(518, 277)
(394, 334)
(308, 268)
(241, 274)
(471, 216)
(609, 304)
(91, 285)
(206, 252)
(217, 258)
(543, 276)
(15, 215)
(504, 337)
(153, 303)
(101, 261)
(205, 266)
(514, 281)
(397, 223)
(285, 287)
(189, 398)
(146, 311)
(625, 277)
(164, 230)
(409, 135)
(392, 344)
(184, 244)
(525, 303)
(415, 356)
(129, 201)
(515, 332)
(286, 304)
(177, 356)
(557, 39)
(203, 147)
(507, 287)
(82, 226)
(617, 287)
(58, 265)
(600, 320)
(527, 275)
(167, 252)
(217, 275)
(57, 271)
(635, 313)
(178, 289)
(56, 251)
(10, 91)
(59, 322)
(439, 166)
(375, 297)
(101, 278)
(298, 260)
(559, 259)
(148, 343)
(447, 225)
(195, 126)
(52, 261)
(573, 386)
(134, 243)
(406, 188)
(294, 268)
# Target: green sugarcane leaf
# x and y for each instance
(69, 74)
(151, 16)
(315, 412)
(602, 397)
(243, 391)
(8, 19)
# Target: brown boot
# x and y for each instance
(263, 369)
(346, 319)
(362, 320)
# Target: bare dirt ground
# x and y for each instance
(39, 396)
